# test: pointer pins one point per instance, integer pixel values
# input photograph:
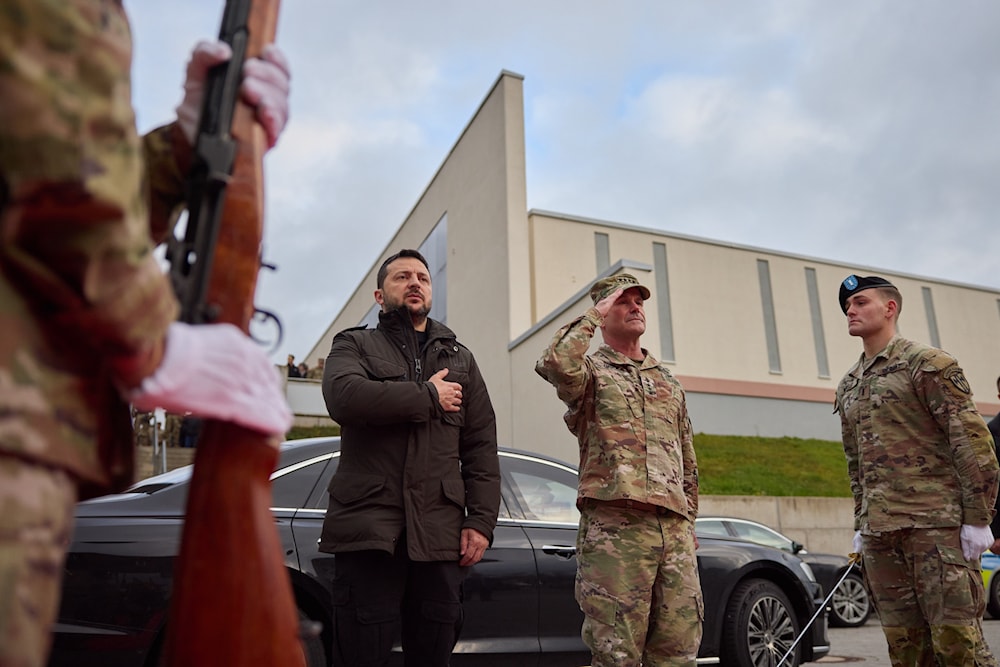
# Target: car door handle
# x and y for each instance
(560, 550)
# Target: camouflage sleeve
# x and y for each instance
(948, 397)
(851, 453)
(690, 460)
(564, 362)
(168, 158)
(75, 217)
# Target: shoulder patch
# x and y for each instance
(957, 378)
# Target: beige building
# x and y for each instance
(756, 336)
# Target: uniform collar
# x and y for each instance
(619, 359)
(885, 353)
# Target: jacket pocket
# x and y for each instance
(454, 418)
(454, 490)
(347, 488)
(383, 369)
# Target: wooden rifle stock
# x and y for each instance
(232, 600)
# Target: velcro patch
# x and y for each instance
(957, 378)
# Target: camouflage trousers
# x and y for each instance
(929, 598)
(36, 523)
(637, 584)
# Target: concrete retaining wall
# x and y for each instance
(823, 525)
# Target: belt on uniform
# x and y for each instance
(629, 504)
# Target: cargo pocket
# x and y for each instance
(361, 631)
(960, 594)
(600, 623)
(596, 604)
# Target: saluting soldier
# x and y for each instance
(924, 478)
(637, 575)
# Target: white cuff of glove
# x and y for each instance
(975, 540)
(858, 542)
(216, 371)
(265, 86)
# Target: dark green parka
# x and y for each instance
(405, 463)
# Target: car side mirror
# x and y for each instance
(796, 547)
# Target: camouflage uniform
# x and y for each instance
(143, 427)
(921, 464)
(171, 430)
(80, 290)
(637, 576)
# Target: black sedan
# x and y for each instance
(849, 607)
(519, 604)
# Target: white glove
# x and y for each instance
(858, 542)
(265, 87)
(975, 540)
(216, 371)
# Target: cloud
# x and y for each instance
(856, 131)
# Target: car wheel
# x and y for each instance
(760, 626)
(850, 606)
(993, 596)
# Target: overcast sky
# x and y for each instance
(858, 131)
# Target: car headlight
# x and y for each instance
(808, 570)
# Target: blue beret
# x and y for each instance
(853, 284)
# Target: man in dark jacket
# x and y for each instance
(415, 498)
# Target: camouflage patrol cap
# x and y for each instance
(853, 284)
(606, 286)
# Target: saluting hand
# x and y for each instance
(449, 393)
(604, 305)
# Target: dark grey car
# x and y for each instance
(519, 604)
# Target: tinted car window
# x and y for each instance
(760, 535)
(544, 492)
(291, 486)
(703, 527)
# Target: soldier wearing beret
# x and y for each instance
(924, 476)
(640, 594)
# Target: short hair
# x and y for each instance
(383, 270)
(890, 292)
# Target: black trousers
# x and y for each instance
(380, 598)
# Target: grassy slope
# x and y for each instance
(746, 466)
(751, 466)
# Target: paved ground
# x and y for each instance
(867, 643)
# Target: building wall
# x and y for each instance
(515, 276)
(480, 187)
